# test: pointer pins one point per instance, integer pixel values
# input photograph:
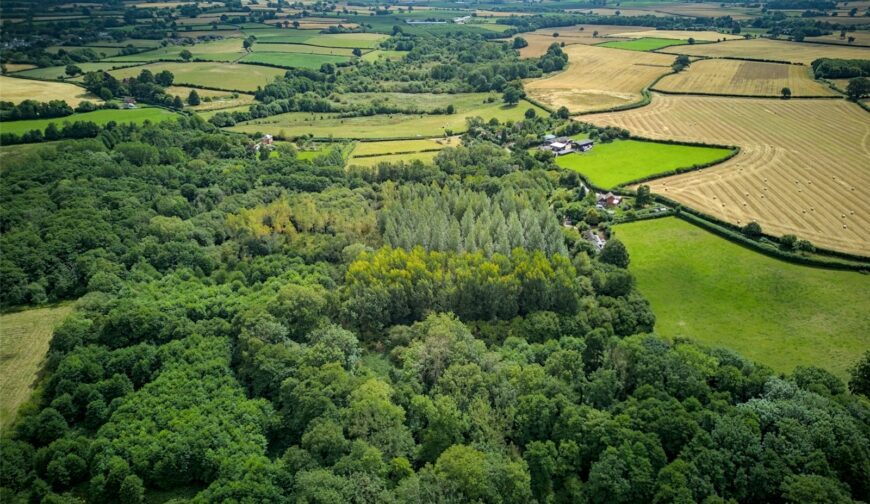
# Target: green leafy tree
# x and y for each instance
(615, 253)
(193, 98)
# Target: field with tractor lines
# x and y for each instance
(793, 175)
(599, 78)
(751, 78)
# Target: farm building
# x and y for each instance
(608, 200)
(564, 145)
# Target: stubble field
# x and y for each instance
(794, 175)
(771, 50)
(540, 40)
(701, 36)
(751, 78)
(599, 78)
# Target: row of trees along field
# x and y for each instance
(249, 331)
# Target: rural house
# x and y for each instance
(564, 145)
(608, 200)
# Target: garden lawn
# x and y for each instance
(100, 117)
(780, 314)
(643, 44)
(612, 164)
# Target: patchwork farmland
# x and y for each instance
(751, 78)
(792, 176)
(599, 78)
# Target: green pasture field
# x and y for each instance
(393, 158)
(128, 42)
(294, 60)
(313, 37)
(303, 49)
(402, 146)
(780, 314)
(611, 164)
(207, 114)
(233, 77)
(25, 342)
(387, 55)
(59, 72)
(220, 50)
(643, 44)
(296, 124)
(100, 117)
(422, 101)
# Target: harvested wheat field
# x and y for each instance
(750, 78)
(541, 39)
(18, 67)
(767, 49)
(17, 90)
(701, 36)
(861, 38)
(794, 175)
(599, 78)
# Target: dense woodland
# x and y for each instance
(287, 331)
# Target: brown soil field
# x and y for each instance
(751, 78)
(861, 38)
(18, 90)
(702, 36)
(794, 174)
(768, 49)
(599, 78)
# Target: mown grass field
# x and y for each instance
(212, 75)
(768, 49)
(383, 55)
(392, 151)
(23, 345)
(59, 72)
(752, 78)
(17, 90)
(296, 124)
(611, 164)
(599, 78)
(294, 60)
(100, 117)
(792, 176)
(780, 314)
(643, 44)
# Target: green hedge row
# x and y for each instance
(734, 152)
(395, 153)
(727, 95)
